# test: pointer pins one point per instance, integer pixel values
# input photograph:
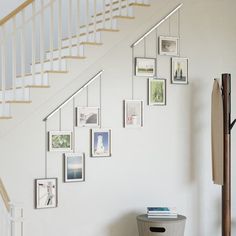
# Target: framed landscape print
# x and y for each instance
(74, 167)
(179, 70)
(60, 141)
(101, 142)
(133, 113)
(145, 67)
(168, 46)
(88, 116)
(156, 92)
(45, 193)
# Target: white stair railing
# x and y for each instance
(11, 215)
(38, 36)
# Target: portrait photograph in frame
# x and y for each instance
(133, 113)
(46, 193)
(74, 165)
(168, 46)
(100, 143)
(60, 141)
(145, 67)
(88, 116)
(156, 92)
(179, 70)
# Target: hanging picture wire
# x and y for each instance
(179, 29)
(156, 35)
(170, 26)
(87, 96)
(60, 120)
(74, 123)
(132, 77)
(100, 101)
(46, 150)
(145, 47)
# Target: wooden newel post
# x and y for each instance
(226, 188)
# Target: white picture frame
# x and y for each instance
(100, 142)
(179, 70)
(133, 113)
(145, 67)
(88, 116)
(156, 92)
(74, 167)
(60, 141)
(46, 193)
(168, 46)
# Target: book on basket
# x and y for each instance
(162, 212)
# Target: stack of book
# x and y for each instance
(162, 212)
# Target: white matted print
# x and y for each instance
(133, 113)
(179, 70)
(168, 46)
(145, 67)
(101, 142)
(88, 116)
(60, 141)
(156, 92)
(45, 193)
(74, 167)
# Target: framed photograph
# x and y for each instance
(60, 141)
(145, 67)
(88, 116)
(168, 46)
(45, 193)
(179, 70)
(101, 142)
(133, 113)
(74, 167)
(156, 92)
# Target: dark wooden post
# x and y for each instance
(226, 188)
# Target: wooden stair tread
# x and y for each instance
(5, 117)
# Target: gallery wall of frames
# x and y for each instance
(90, 117)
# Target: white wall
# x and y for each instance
(168, 162)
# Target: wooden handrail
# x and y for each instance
(16, 11)
(4, 195)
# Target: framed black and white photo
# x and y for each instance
(156, 92)
(100, 142)
(168, 46)
(88, 116)
(179, 70)
(45, 193)
(145, 67)
(74, 167)
(60, 141)
(133, 113)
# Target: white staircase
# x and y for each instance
(43, 37)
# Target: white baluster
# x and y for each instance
(78, 27)
(120, 7)
(127, 7)
(12, 215)
(14, 58)
(87, 20)
(23, 53)
(59, 33)
(104, 14)
(33, 43)
(111, 12)
(95, 19)
(22, 221)
(3, 56)
(51, 32)
(70, 26)
(42, 41)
